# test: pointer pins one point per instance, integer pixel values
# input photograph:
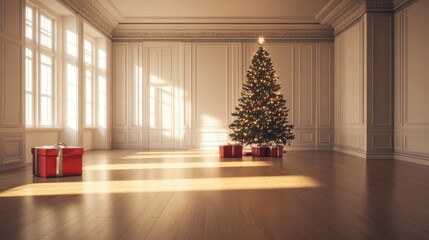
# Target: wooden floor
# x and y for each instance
(128, 194)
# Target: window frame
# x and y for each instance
(38, 49)
(93, 68)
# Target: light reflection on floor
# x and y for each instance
(163, 185)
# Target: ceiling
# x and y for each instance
(219, 11)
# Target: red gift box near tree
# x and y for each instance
(275, 151)
(259, 151)
(226, 151)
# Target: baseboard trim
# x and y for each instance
(364, 154)
(354, 152)
(411, 158)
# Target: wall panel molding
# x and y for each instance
(12, 111)
(306, 85)
(161, 66)
(11, 115)
(411, 126)
(379, 83)
(325, 95)
(349, 79)
(380, 69)
(12, 149)
(187, 84)
(399, 89)
(211, 77)
(120, 136)
(120, 85)
(12, 19)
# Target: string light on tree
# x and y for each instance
(261, 115)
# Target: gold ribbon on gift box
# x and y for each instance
(233, 148)
(277, 149)
(59, 167)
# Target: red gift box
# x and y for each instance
(226, 151)
(259, 151)
(275, 151)
(57, 161)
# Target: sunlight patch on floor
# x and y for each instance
(172, 155)
(177, 165)
(179, 152)
(162, 185)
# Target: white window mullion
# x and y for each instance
(29, 86)
(46, 90)
(88, 55)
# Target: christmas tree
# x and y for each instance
(261, 115)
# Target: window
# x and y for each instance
(88, 50)
(40, 78)
(29, 23)
(46, 90)
(46, 31)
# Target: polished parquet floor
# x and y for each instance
(177, 194)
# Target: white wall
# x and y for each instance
(206, 87)
(412, 82)
(350, 132)
(363, 87)
(12, 114)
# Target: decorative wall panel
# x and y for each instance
(379, 70)
(306, 86)
(120, 136)
(12, 147)
(325, 95)
(12, 154)
(211, 84)
(411, 60)
(162, 105)
(12, 25)
(381, 58)
(135, 82)
(325, 84)
(349, 90)
(12, 126)
(185, 94)
(416, 61)
(120, 107)
(350, 79)
(12, 86)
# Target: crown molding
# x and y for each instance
(399, 3)
(219, 20)
(93, 12)
(337, 13)
(127, 32)
(341, 13)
